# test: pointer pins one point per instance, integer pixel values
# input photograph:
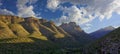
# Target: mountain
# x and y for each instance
(101, 32)
(76, 32)
(109, 44)
(35, 35)
(14, 27)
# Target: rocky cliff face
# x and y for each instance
(76, 32)
(71, 28)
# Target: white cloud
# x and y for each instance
(94, 9)
(118, 10)
(24, 10)
(32, 1)
(6, 12)
(52, 4)
(73, 15)
(87, 26)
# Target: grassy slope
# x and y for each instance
(5, 31)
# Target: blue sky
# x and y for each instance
(90, 15)
(97, 24)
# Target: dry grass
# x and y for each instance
(18, 30)
(5, 32)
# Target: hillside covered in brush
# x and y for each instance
(109, 44)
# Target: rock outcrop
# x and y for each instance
(76, 32)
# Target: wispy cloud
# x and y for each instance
(73, 14)
(6, 12)
(94, 9)
(87, 26)
(24, 7)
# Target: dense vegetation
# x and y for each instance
(32, 46)
(109, 44)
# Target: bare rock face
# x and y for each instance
(43, 20)
(109, 28)
(58, 32)
(76, 32)
(71, 28)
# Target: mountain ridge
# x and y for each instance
(101, 32)
(76, 32)
(15, 27)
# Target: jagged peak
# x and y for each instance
(108, 28)
(51, 22)
(71, 25)
(31, 18)
(8, 19)
(43, 20)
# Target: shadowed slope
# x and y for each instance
(109, 44)
(39, 33)
(76, 32)
(29, 45)
(16, 27)
(5, 31)
(101, 32)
